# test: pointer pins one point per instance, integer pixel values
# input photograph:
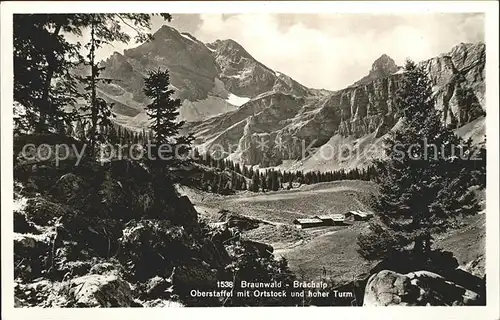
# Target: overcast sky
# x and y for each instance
(330, 51)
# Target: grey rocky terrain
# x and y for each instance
(231, 99)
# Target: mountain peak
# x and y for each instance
(384, 66)
(165, 29)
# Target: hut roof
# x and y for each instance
(360, 213)
(323, 217)
(334, 217)
(307, 220)
(338, 217)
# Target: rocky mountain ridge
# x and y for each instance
(355, 118)
(210, 79)
(259, 116)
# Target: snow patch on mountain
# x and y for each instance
(236, 76)
(237, 101)
(245, 73)
(187, 36)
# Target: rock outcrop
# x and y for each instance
(383, 67)
(458, 80)
(291, 127)
(101, 291)
(419, 288)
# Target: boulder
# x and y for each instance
(40, 293)
(113, 198)
(476, 267)
(92, 235)
(158, 287)
(43, 212)
(389, 288)
(417, 288)
(105, 267)
(32, 254)
(234, 220)
(194, 275)
(160, 303)
(69, 269)
(214, 253)
(219, 232)
(18, 303)
(185, 214)
(101, 291)
(69, 187)
(153, 247)
(22, 225)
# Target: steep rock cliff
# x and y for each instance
(357, 115)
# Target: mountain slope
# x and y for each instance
(344, 129)
(239, 108)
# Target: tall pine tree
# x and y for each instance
(163, 111)
(100, 110)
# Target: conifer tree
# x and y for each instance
(220, 184)
(215, 183)
(163, 111)
(100, 110)
(424, 179)
(254, 186)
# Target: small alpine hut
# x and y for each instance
(358, 215)
(303, 223)
(332, 220)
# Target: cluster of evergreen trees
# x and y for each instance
(114, 133)
(243, 177)
(366, 174)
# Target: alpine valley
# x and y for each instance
(294, 213)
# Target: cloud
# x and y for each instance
(329, 51)
(334, 50)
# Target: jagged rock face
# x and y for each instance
(269, 131)
(368, 108)
(245, 76)
(275, 118)
(192, 68)
(458, 82)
